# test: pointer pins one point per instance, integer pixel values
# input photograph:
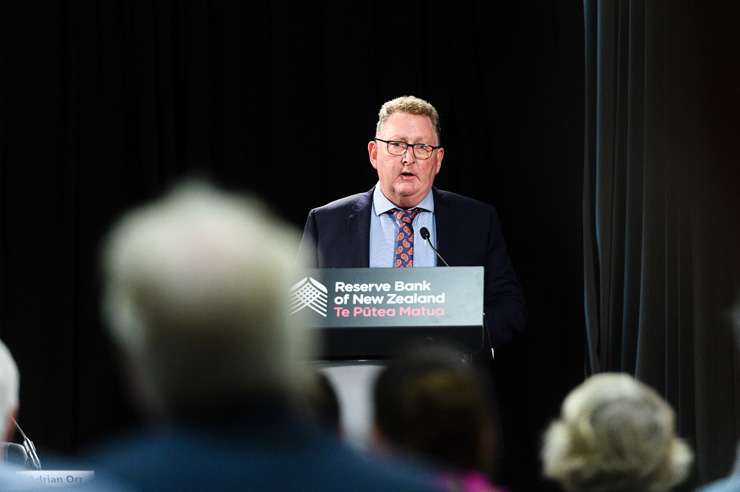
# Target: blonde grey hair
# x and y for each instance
(196, 288)
(411, 105)
(615, 434)
(8, 388)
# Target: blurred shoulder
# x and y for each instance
(730, 484)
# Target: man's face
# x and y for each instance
(405, 179)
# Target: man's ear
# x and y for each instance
(440, 157)
(372, 152)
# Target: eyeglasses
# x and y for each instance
(420, 150)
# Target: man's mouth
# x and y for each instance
(407, 175)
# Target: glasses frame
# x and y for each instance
(407, 146)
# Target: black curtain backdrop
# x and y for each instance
(662, 210)
(106, 104)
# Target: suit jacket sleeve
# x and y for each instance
(504, 301)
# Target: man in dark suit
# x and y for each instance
(381, 227)
(195, 296)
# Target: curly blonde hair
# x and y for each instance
(410, 105)
(615, 434)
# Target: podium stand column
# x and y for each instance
(353, 382)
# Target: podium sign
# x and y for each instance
(373, 312)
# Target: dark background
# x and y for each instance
(104, 105)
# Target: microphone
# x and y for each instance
(425, 236)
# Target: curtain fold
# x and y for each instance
(660, 216)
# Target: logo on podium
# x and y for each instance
(308, 293)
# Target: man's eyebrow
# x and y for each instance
(419, 140)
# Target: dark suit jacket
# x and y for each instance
(337, 235)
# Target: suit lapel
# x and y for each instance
(444, 225)
(359, 231)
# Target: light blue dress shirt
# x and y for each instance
(383, 231)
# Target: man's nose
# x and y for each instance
(408, 155)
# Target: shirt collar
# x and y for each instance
(382, 205)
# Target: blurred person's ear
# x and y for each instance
(10, 425)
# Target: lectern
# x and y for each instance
(372, 313)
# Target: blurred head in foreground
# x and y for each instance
(432, 405)
(615, 434)
(8, 393)
(195, 295)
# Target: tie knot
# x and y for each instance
(405, 216)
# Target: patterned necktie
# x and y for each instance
(403, 251)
